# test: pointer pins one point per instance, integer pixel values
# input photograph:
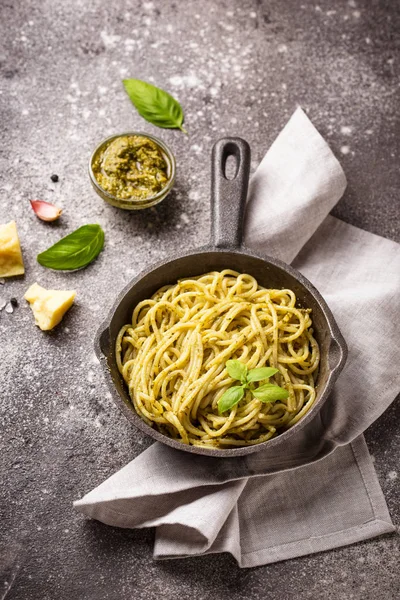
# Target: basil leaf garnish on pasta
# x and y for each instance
(270, 393)
(261, 373)
(230, 398)
(266, 393)
(237, 370)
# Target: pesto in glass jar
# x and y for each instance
(131, 167)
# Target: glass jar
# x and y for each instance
(135, 203)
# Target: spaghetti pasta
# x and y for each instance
(173, 355)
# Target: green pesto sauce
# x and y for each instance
(131, 167)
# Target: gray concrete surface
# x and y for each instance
(239, 67)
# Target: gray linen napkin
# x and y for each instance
(321, 492)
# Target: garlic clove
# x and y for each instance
(45, 210)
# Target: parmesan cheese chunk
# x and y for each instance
(11, 262)
(48, 306)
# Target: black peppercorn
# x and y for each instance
(54, 178)
(14, 302)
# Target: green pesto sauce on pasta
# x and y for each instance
(173, 354)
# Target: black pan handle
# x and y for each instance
(228, 196)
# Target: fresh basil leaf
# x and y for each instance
(230, 398)
(154, 104)
(75, 250)
(270, 393)
(261, 373)
(236, 370)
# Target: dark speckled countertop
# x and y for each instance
(239, 67)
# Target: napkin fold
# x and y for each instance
(321, 491)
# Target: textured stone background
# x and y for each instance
(239, 67)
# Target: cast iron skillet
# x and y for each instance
(228, 197)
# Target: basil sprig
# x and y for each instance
(154, 104)
(265, 393)
(74, 251)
